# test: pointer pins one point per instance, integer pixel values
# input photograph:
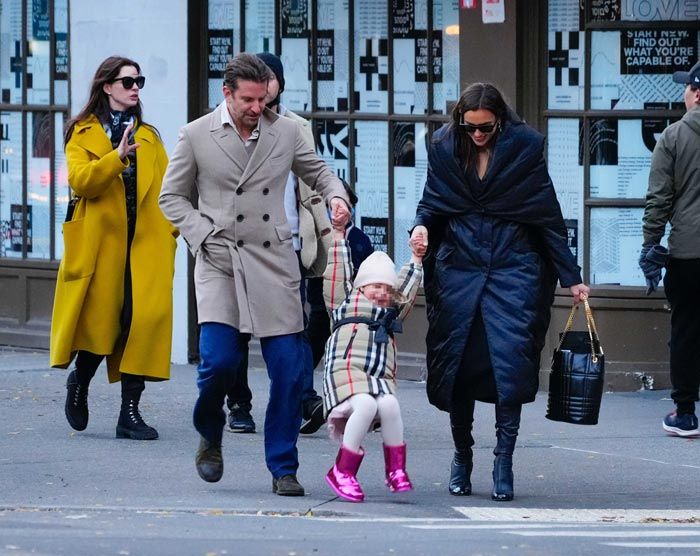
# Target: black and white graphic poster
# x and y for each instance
(371, 169)
(332, 141)
(332, 39)
(445, 45)
(660, 10)
(564, 15)
(259, 25)
(410, 42)
(11, 177)
(410, 159)
(604, 10)
(60, 76)
(11, 52)
(566, 171)
(62, 193)
(565, 71)
(222, 45)
(371, 56)
(634, 66)
(296, 22)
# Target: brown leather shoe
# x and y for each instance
(209, 461)
(287, 485)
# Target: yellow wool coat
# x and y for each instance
(90, 285)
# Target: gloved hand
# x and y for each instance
(652, 259)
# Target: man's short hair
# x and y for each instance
(246, 67)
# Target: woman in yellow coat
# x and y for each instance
(114, 288)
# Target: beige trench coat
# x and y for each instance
(246, 271)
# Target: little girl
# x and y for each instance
(360, 366)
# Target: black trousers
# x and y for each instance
(86, 364)
(682, 285)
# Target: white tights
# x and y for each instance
(365, 408)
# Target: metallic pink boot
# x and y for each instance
(395, 466)
(342, 476)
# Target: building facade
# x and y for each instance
(376, 78)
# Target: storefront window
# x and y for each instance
(332, 56)
(445, 45)
(409, 23)
(295, 20)
(11, 178)
(371, 58)
(260, 25)
(11, 49)
(372, 182)
(332, 145)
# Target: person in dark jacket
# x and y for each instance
(674, 196)
(497, 244)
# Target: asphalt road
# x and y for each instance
(621, 487)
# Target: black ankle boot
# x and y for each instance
(502, 478)
(76, 403)
(131, 424)
(460, 474)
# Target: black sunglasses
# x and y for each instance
(128, 81)
(483, 128)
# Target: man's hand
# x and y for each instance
(652, 259)
(419, 241)
(579, 292)
(340, 214)
(124, 148)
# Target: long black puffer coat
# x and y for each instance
(497, 244)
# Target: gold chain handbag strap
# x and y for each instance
(590, 325)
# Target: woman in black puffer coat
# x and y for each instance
(497, 245)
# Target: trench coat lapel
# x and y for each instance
(266, 142)
(225, 138)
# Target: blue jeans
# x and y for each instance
(221, 349)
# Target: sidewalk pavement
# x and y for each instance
(626, 461)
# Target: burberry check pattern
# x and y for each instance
(354, 363)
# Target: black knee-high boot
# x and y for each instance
(461, 419)
(507, 424)
(131, 424)
(77, 385)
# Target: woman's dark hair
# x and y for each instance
(476, 97)
(98, 101)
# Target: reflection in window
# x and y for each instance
(332, 145)
(39, 185)
(445, 45)
(259, 26)
(224, 37)
(410, 158)
(372, 185)
(62, 191)
(296, 22)
(632, 68)
(616, 239)
(371, 59)
(11, 215)
(332, 39)
(409, 23)
(38, 64)
(566, 171)
(11, 49)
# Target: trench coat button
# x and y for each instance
(266, 191)
(239, 243)
(266, 217)
(239, 191)
(240, 217)
(266, 244)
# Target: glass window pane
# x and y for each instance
(410, 159)
(566, 171)
(616, 239)
(259, 26)
(371, 158)
(409, 23)
(38, 63)
(565, 56)
(61, 184)
(648, 10)
(445, 46)
(632, 68)
(371, 60)
(60, 70)
(11, 184)
(296, 23)
(331, 138)
(332, 39)
(620, 155)
(224, 43)
(39, 185)
(11, 51)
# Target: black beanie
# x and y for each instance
(275, 64)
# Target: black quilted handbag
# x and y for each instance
(578, 374)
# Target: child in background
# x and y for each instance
(360, 368)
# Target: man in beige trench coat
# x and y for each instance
(246, 271)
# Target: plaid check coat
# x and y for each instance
(355, 363)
